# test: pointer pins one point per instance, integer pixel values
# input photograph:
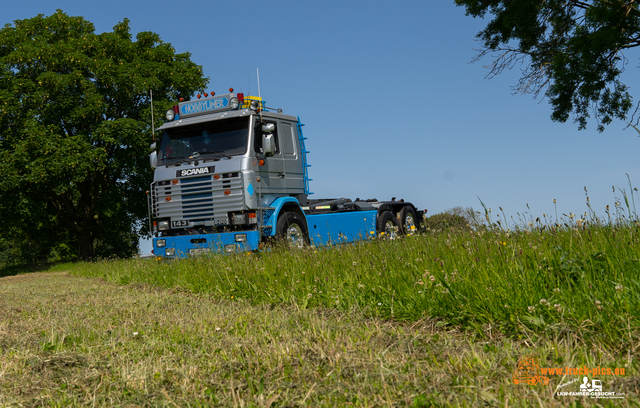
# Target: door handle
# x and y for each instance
(281, 175)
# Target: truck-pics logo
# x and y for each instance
(528, 372)
(193, 172)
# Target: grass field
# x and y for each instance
(428, 320)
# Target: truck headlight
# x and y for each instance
(170, 251)
(241, 237)
(170, 115)
(239, 219)
(161, 243)
(163, 225)
(234, 103)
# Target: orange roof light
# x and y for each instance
(230, 89)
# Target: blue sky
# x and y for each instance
(392, 104)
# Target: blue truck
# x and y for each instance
(231, 174)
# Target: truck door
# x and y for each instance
(273, 172)
(294, 177)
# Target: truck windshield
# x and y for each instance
(207, 140)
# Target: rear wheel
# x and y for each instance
(408, 220)
(292, 229)
(387, 223)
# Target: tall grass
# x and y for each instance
(575, 275)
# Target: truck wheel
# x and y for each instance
(408, 219)
(387, 223)
(292, 229)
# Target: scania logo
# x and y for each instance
(194, 172)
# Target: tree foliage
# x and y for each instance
(571, 50)
(75, 124)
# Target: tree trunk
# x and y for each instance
(85, 243)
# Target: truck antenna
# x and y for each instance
(153, 130)
(259, 96)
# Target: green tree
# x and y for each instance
(572, 51)
(75, 124)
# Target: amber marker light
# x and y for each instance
(174, 181)
(167, 199)
(261, 162)
(216, 176)
(230, 89)
(227, 192)
(181, 99)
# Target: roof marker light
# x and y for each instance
(199, 96)
(206, 94)
(230, 89)
(213, 93)
(181, 99)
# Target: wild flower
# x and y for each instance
(135, 334)
(309, 295)
(558, 307)
(531, 309)
(360, 285)
(506, 306)
(544, 302)
(433, 278)
(557, 290)
(619, 288)
(598, 305)
(218, 329)
(379, 304)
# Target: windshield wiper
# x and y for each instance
(219, 155)
(180, 159)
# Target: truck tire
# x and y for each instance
(292, 229)
(408, 219)
(387, 223)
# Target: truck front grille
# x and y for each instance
(200, 199)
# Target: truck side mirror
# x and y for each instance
(153, 159)
(268, 145)
(268, 128)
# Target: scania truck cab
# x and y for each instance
(231, 174)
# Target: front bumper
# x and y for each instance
(183, 246)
